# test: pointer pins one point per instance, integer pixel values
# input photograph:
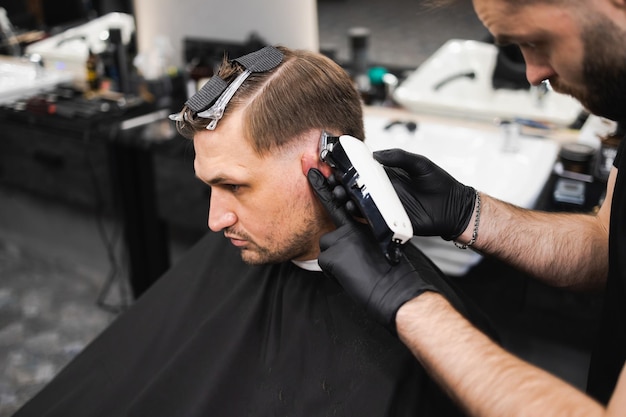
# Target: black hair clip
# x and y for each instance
(212, 99)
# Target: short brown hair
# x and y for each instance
(305, 91)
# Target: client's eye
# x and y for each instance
(233, 187)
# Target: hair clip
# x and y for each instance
(216, 111)
(177, 117)
(213, 98)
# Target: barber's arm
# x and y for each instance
(562, 249)
(484, 379)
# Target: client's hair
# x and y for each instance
(305, 91)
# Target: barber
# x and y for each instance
(578, 47)
(482, 377)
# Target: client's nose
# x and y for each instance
(220, 215)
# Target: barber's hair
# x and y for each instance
(305, 91)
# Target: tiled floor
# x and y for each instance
(47, 315)
(54, 260)
(52, 267)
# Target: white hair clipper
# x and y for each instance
(369, 187)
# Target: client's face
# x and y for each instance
(263, 205)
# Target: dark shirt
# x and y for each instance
(217, 337)
(609, 353)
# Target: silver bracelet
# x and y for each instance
(476, 223)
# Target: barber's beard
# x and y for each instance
(604, 71)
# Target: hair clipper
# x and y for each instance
(369, 187)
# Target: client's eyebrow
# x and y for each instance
(217, 180)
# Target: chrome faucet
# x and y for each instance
(37, 61)
(511, 132)
(540, 92)
(390, 82)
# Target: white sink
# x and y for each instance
(21, 78)
(476, 157)
(475, 98)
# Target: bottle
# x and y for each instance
(607, 152)
(121, 76)
(93, 72)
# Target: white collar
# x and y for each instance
(310, 265)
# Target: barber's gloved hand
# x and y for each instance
(437, 204)
(352, 255)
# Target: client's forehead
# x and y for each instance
(226, 154)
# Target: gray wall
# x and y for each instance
(291, 23)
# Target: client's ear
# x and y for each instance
(311, 156)
(311, 159)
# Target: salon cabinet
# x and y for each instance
(72, 165)
(54, 163)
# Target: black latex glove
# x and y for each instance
(351, 255)
(437, 204)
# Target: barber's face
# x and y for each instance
(604, 70)
(576, 47)
(264, 206)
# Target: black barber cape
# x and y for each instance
(217, 337)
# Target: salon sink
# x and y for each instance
(513, 171)
(456, 81)
(21, 78)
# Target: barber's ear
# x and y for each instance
(312, 160)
